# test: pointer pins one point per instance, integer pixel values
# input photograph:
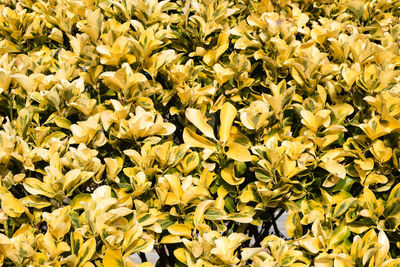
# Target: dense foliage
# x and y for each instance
(189, 127)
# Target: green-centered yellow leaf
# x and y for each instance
(62, 122)
(240, 218)
(190, 162)
(86, 252)
(339, 234)
(216, 214)
(343, 206)
(23, 120)
(35, 202)
(288, 257)
(293, 225)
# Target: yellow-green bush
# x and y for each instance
(188, 127)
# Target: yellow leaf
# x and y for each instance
(7, 247)
(343, 260)
(79, 201)
(340, 112)
(228, 114)
(84, 104)
(324, 260)
(58, 222)
(113, 167)
(374, 178)
(23, 120)
(240, 218)
(175, 184)
(198, 216)
(228, 174)
(383, 241)
(35, 202)
(180, 254)
(312, 244)
(369, 200)
(56, 35)
(180, 230)
(343, 206)
(26, 83)
(391, 263)
(288, 258)
(92, 26)
(170, 239)
(222, 75)
(113, 258)
(334, 168)
(195, 140)
(225, 247)
(206, 178)
(195, 117)
(339, 234)
(314, 122)
(380, 152)
(349, 75)
(373, 128)
(74, 178)
(11, 205)
(62, 122)
(293, 226)
(238, 152)
(213, 55)
(86, 252)
(288, 168)
(365, 164)
(255, 116)
(172, 199)
(190, 162)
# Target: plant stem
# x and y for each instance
(5, 224)
(98, 94)
(143, 257)
(11, 107)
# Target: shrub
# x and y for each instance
(189, 127)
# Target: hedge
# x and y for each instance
(189, 127)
